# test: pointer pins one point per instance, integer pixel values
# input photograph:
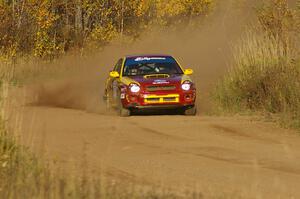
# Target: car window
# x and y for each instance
(151, 65)
(118, 66)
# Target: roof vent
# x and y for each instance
(156, 76)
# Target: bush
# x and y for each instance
(265, 77)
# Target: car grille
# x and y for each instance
(161, 88)
(156, 99)
(152, 100)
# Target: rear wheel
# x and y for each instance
(191, 111)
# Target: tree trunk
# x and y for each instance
(78, 17)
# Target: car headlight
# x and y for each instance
(134, 88)
(186, 86)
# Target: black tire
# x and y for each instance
(191, 111)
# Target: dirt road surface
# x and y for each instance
(231, 156)
(235, 155)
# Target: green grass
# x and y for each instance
(264, 77)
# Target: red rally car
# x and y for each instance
(150, 82)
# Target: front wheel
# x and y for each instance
(191, 111)
(123, 112)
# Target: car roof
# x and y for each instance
(146, 55)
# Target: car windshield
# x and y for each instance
(140, 66)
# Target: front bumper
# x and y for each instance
(159, 100)
(160, 107)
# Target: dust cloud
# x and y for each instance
(206, 49)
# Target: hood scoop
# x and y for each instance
(156, 76)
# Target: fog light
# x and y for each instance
(188, 97)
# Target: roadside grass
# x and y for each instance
(264, 77)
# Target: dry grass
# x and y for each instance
(265, 77)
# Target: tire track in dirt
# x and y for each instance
(235, 157)
(236, 133)
(159, 134)
(219, 153)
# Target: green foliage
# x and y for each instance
(48, 28)
(266, 70)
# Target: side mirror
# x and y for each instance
(114, 74)
(188, 71)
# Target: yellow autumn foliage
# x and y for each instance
(48, 28)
